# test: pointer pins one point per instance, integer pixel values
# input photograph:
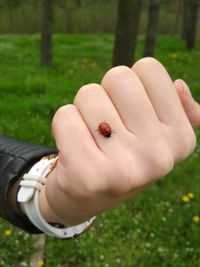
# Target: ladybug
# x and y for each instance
(105, 129)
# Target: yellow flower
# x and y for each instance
(71, 71)
(185, 199)
(196, 219)
(185, 76)
(8, 232)
(174, 55)
(190, 195)
(40, 262)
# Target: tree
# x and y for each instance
(126, 32)
(152, 27)
(47, 29)
(185, 14)
(69, 7)
(177, 17)
(10, 5)
(190, 20)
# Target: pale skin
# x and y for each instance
(153, 119)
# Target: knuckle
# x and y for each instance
(90, 187)
(187, 145)
(146, 61)
(115, 72)
(193, 142)
(123, 176)
(85, 91)
(161, 161)
(60, 113)
(164, 161)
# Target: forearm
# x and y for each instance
(16, 158)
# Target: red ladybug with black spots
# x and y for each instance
(105, 129)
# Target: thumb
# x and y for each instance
(191, 107)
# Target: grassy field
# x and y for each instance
(156, 228)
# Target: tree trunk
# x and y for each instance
(190, 20)
(154, 8)
(69, 8)
(47, 29)
(185, 13)
(126, 32)
(11, 20)
(193, 20)
(69, 20)
(177, 18)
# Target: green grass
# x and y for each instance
(155, 228)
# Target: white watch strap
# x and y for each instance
(28, 194)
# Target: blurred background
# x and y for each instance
(48, 50)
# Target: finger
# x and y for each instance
(73, 139)
(161, 91)
(191, 107)
(131, 101)
(95, 107)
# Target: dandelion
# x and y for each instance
(196, 219)
(152, 235)
(190, 195)
(40, 263)
(148, 245)
(23, 264)
(93, 65)
(174, 55)
(185, 199)
(175, 256)
(118, 260)
(8, 232)
(161, 250)
(189, 249)
(101, 225)
(71, 71)
(102, 257)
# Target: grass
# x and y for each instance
(154, 229)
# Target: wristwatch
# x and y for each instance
(28, 195)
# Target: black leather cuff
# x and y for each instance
(16, 158)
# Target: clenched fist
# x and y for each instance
(152, 120)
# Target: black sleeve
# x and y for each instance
(16, 158)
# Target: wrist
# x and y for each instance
(63, 205)
(12, 194)
(45, 209)
(29, 194)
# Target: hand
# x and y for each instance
(153, 121)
